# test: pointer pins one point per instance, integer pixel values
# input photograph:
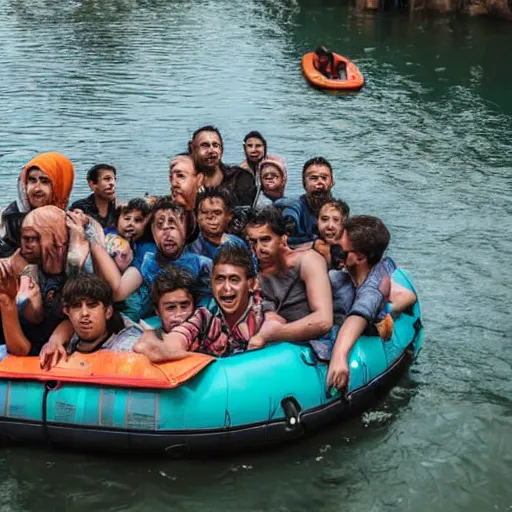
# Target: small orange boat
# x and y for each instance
(353, 82)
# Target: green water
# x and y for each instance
(427, 145)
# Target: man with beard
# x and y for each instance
(300, 214)
(294, 284)
(206, 149)
(168, 229)
(255, 149)
(101, 204)
(186, 181)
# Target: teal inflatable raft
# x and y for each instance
(246, 401)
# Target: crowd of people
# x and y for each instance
(226, 260)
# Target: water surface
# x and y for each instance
(426, 145)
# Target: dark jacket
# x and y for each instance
(12, 219)
(88, 206)
(240, 183)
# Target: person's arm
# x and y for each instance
(15, 341)
(54, 349)
(29, 295)
(401, 298)
(318, 288)
(349, 332)
(173, 346)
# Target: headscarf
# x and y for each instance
(49, 222)
(276, 161)
(61, 173)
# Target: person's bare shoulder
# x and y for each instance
(311, 260)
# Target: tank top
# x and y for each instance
(285, 294)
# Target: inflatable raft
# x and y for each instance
(353, 82)
(121, 402)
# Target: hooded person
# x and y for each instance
(44, 244)
(272, 180)
(46, 180)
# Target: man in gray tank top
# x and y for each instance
(294, 284)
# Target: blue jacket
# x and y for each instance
(303, 218)
(203, 247)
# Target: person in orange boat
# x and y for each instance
(325, 63)
(46, 180)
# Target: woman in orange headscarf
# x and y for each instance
(46, 180)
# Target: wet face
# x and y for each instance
(318, 179)
(213, 218)
(231, 289)
(169, 232)
(131, 225)
(207, 151)
(106, 187)
(254, 150)
(330, 224)
(185, 181)
(89, 318)
(39, 188)
(272, 180)
(174, 308)
(265, 244)
(30, 246)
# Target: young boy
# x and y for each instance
(214, 213)
(330, 221)
(132, 226)
(88, 304)
(173, 297)
(101, 204)
(222, 334)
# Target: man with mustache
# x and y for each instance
(300, 214)
(101, 204)
(294, 283)
(206, 148)
(186, 182)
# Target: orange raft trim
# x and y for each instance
(123, 369)
(354, 81)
